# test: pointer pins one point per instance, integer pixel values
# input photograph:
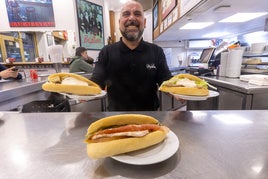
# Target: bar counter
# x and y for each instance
(236, 84)
(213, 144)
(237, 94)
(14, 93)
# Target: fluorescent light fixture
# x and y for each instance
(216, 34)
(243, 17)
(196, 25)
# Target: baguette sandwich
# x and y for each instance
(124, 133)
(185, 84)
(71, 83)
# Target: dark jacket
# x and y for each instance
(131, 77)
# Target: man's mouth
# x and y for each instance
(132, 24)
(131, 27)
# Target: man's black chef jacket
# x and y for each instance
(131, 76)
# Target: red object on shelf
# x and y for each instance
(33, 74)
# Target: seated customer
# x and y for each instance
(9, 73)
(79, 61)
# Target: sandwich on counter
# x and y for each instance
(123, 133)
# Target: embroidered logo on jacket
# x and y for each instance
(150, 66)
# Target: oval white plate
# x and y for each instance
(43, 75)
(86, 98)
(153, 154)
(198, 98)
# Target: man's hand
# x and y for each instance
(9, 73)
(179, 99)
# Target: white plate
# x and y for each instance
(86, 98)
(43, 75)
(153, 154)
(80, 72)
(198, 98)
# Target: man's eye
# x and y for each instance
(137, 14)
(125, 14)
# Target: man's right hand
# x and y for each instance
(9, 73)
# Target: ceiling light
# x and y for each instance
(243, 17)
(197, 25)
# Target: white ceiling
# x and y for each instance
(206, 12)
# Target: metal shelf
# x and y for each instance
(247, 54)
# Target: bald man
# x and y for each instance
(132, 69)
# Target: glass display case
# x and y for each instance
(28, 42)
(13, 49)
(18, 45)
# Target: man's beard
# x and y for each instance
(132, 36)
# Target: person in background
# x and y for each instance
(81, 62)
(132, 69)
(9, 73)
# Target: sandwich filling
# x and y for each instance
(131, 130)
(73, 81)
(185, 82)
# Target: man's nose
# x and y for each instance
(132, 16)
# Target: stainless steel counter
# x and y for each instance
(237, 85)
(237, 94)
(213, 144)
(15, 93)
(18, 92)
(17, 88)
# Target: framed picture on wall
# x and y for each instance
(155, 15)
(90, 24)
(30, 13)
(167, 7)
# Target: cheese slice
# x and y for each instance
(73, 81)
(119, 134)
(186, 82)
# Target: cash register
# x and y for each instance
(204, 66)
